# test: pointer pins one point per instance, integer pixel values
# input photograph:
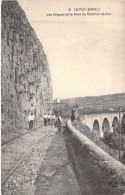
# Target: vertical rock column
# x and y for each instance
(26, 81)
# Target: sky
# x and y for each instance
(85, 53)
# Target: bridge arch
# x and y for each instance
(106, 126)
(104, 122)
(96, 126)
(123, 123)
(115, 124)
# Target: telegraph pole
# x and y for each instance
(119, 133)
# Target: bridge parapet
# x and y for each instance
(92, 165)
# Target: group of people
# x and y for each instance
(52, 120)
(48, 119)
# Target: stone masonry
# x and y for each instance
(25, 75)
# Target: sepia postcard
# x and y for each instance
(63, 97)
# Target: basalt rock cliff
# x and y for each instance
(25, 75)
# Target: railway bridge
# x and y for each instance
(103, 121)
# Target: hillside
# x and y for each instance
(93, 104)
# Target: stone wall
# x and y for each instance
(96, 171)
(25, 77)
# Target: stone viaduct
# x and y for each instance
(103, 121)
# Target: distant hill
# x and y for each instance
(93, 104)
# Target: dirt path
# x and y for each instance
(45, 170)
(55, 176)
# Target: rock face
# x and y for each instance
(25, 77)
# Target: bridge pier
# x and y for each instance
(101, 133)
(111, 129)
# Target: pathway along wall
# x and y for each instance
(26, 82)
(96, 171)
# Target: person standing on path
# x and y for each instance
(45, 119)
(48, 117)
(53, 119)
(74, 114)
(31, 119)
(58, 122)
